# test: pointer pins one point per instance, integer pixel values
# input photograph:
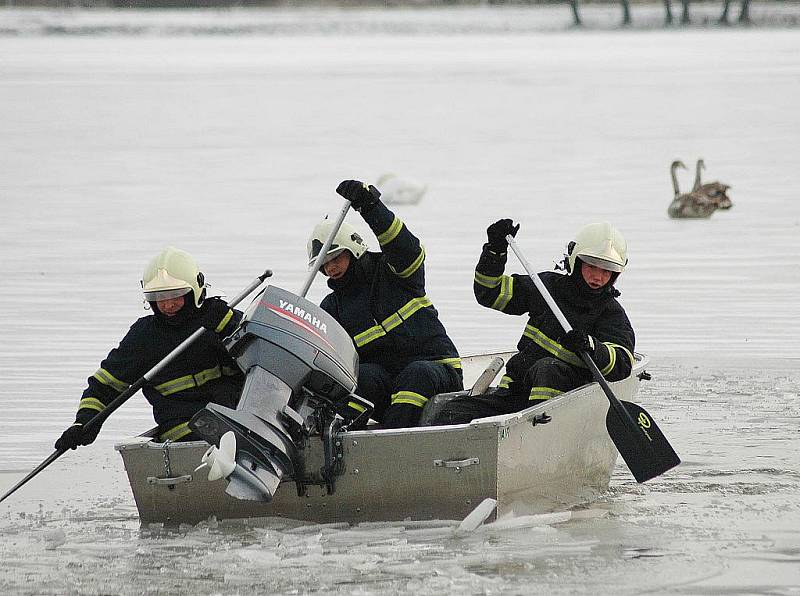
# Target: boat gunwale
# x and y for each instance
(145, 440)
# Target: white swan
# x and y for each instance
(400, 191)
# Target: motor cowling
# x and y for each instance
(294, 355)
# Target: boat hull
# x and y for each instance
(526, 464)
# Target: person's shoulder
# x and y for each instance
(145, 322)
(328, 300)
(141, 329)
(554, 276)
(555, 280)
(615, 306)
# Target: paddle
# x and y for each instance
(125, 395)
(324, 250)
(635, 434)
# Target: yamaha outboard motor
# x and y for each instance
(296, 358)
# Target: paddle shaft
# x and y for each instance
(100, 417)
(324, 250)
(587, 359)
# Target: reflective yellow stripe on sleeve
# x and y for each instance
(394, 320)
(487, 281)
(553, 347)
(188, 381)
(224, 321)
(371, 334)
(612, 351)
(91, 403)
(106, 378)
(506, 293)
(412, 268)
(392, 231)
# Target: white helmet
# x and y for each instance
(601, 245)
(173, 273)
(347, 238)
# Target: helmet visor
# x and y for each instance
(334, 251)
(602, 263)
(159, 295)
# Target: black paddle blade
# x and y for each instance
(644, 447)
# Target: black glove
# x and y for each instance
(578, 341)
(497, 233)
(213, 312)
(77, 435)
(361, 196)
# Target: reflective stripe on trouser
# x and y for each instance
(549, 377)
(176, 433)
(543, 393)
(399, 399)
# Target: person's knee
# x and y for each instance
(542, 369)
(417, 369)
(371, 378)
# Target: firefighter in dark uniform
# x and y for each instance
(405, 355)
(204, 372)
(547, 363)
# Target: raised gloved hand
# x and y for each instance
(497, 233)
(361, 196)
(215, 314)
(578, 341)
(77, 435)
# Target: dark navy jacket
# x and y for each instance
(597, 313)
(204, 372)
(382, 304)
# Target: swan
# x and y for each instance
(717, 192)
(400, 191)
(693, 205)
(674, 166)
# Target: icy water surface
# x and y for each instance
(230, 147)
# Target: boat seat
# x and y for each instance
(481, 387)
(436, 404)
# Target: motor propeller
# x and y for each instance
(220, 461)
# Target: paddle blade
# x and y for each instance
(644, 447)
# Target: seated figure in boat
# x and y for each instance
(547, 363)
(405, 354)
(175, 290)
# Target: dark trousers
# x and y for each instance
(399, 398)
(545, 377)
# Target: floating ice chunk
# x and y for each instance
(530, 521)
(477, 516)
(300, 547)
(429, 533)
(589, 513)
(364, 536)
(260, 557)
(317, 528)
